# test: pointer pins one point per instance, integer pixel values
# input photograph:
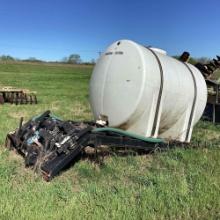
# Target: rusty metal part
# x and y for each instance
(17, 96)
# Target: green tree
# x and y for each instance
(74, 59)
(6, 58)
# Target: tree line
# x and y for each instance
(71, 59)
(76, 59)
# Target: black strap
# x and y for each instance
(194, 102)
(159, 94)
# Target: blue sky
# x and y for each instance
(53, 29)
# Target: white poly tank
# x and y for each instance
(144, 91)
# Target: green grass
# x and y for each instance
(176, 184)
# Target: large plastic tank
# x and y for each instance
(144, 91)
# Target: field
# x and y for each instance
(182, 183)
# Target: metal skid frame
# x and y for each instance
(29, 141)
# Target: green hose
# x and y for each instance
(129, 134)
